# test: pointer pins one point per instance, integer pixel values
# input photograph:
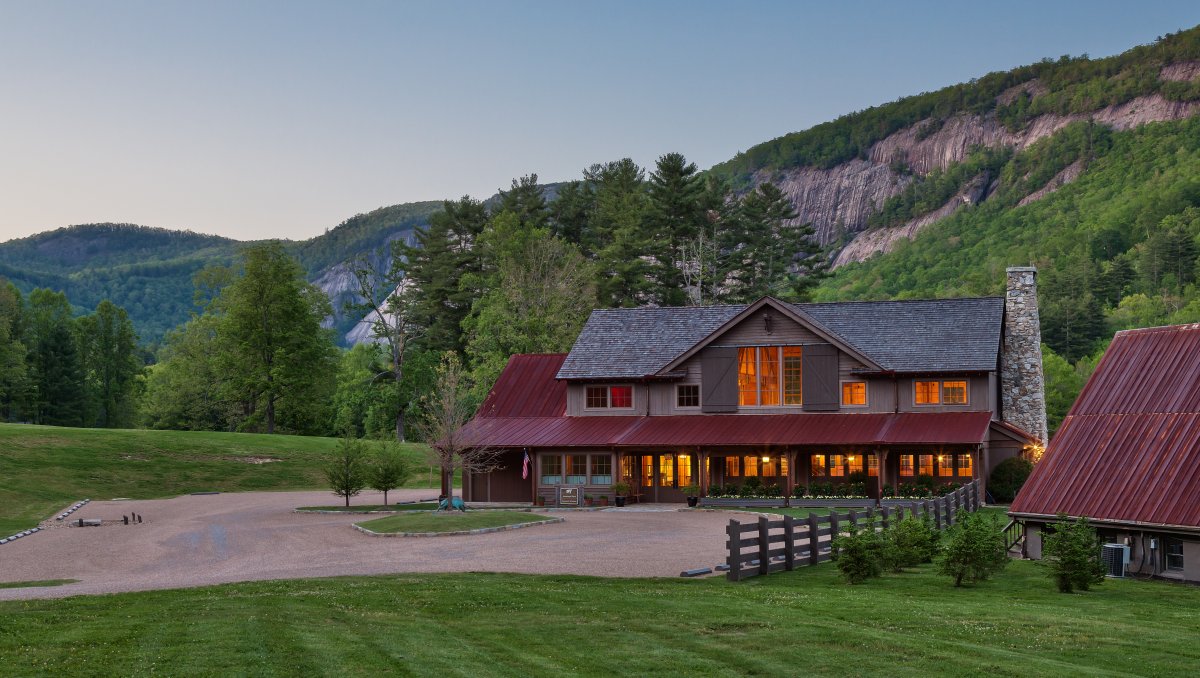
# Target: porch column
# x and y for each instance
(702, 471)
(787, 483)
(881, 455)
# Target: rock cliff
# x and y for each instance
(838, 201)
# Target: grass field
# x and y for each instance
(43, 582)
(45, 468)
(804, 622)
(450, 522)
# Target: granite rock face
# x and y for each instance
(838, 201)
(1022, 384)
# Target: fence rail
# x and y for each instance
(785, 543)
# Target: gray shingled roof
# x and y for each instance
(627, 343)
(937, 335)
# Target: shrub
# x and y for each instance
(856, 489)
(771, 491)
(860, 477)
(716, 491)
(974, 550)
(1072, 550)
(859, 555)
(913, 541)
(925, 484)
(1007, 478)
(733, 490)
(752, 487)
(888, 490)
(799, 491)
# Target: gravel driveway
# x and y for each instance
(211, 539)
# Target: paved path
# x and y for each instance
(202, 540)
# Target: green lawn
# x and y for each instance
(422, 506)
(43, 469)
(450, 522)
(804, 622)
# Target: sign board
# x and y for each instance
(568, 496)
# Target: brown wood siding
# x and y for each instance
(978, 397)
(822, 392)
(577, 399)
(753, 332)
(718, 390)
(505, 484)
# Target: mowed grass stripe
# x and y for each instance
(46, 468)
(805, 622)
(451, 521)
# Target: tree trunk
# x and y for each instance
(385, 497)
(347, 501)
(448, 482)
(400, 425)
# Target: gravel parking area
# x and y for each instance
(212, 539)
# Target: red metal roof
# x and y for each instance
(942, 428)
(527, 388)
(1129, 449)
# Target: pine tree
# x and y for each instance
(111, 365)
(617, 232)
(55, 369)
(525, 199)
(675, 218)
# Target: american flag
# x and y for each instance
(525, 467)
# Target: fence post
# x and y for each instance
(975, 495)
(853, 520)
(946, 509)
(834, 526)
(899, 513)
(789, 543)
(764, 546)
(813, 538)
(958, 503)
(937, 516)
(883, 511)
(734, 532)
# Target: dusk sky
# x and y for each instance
(265, 119)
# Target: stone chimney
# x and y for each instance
(1022, 387)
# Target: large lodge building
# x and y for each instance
(789, 394)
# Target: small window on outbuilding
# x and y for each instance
(954, 392)
(927, 392)
(1173, 554)
(854, 393)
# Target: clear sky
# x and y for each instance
(257, 119)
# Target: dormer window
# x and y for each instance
(769, 376)
(609, 397)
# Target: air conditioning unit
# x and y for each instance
(1116, 559)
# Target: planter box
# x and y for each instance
(761, 502)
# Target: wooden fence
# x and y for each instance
(785, 543)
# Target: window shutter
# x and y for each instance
(820, 378)
(718, 374)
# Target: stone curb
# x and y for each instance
(25, 533)
(459, 533)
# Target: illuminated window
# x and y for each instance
(747, 376)
(1173, 553)
(666, 470)
(576, 469)
(872, 465)
(731, 467)
(687, 395)
(621, 396)
(551, 469)
(750, 467)
(837, 465)
(627, 469)
(647, 471)
(926, 465)
(856, 463)
(793, 389)
(768, 467)
(601, 469)
(964, 465)
(603, 397)
(954, 392)
(783, 466)
(817, 465)
(945, 465)
(906, 465)
(685, 470)
(854, 393)
(769, 376)
(927, 393)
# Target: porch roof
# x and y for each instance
(716, 430)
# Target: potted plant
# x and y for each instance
(604, 500)
(539, 500)
(587, 500)
(692, 492)
(621, 490)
